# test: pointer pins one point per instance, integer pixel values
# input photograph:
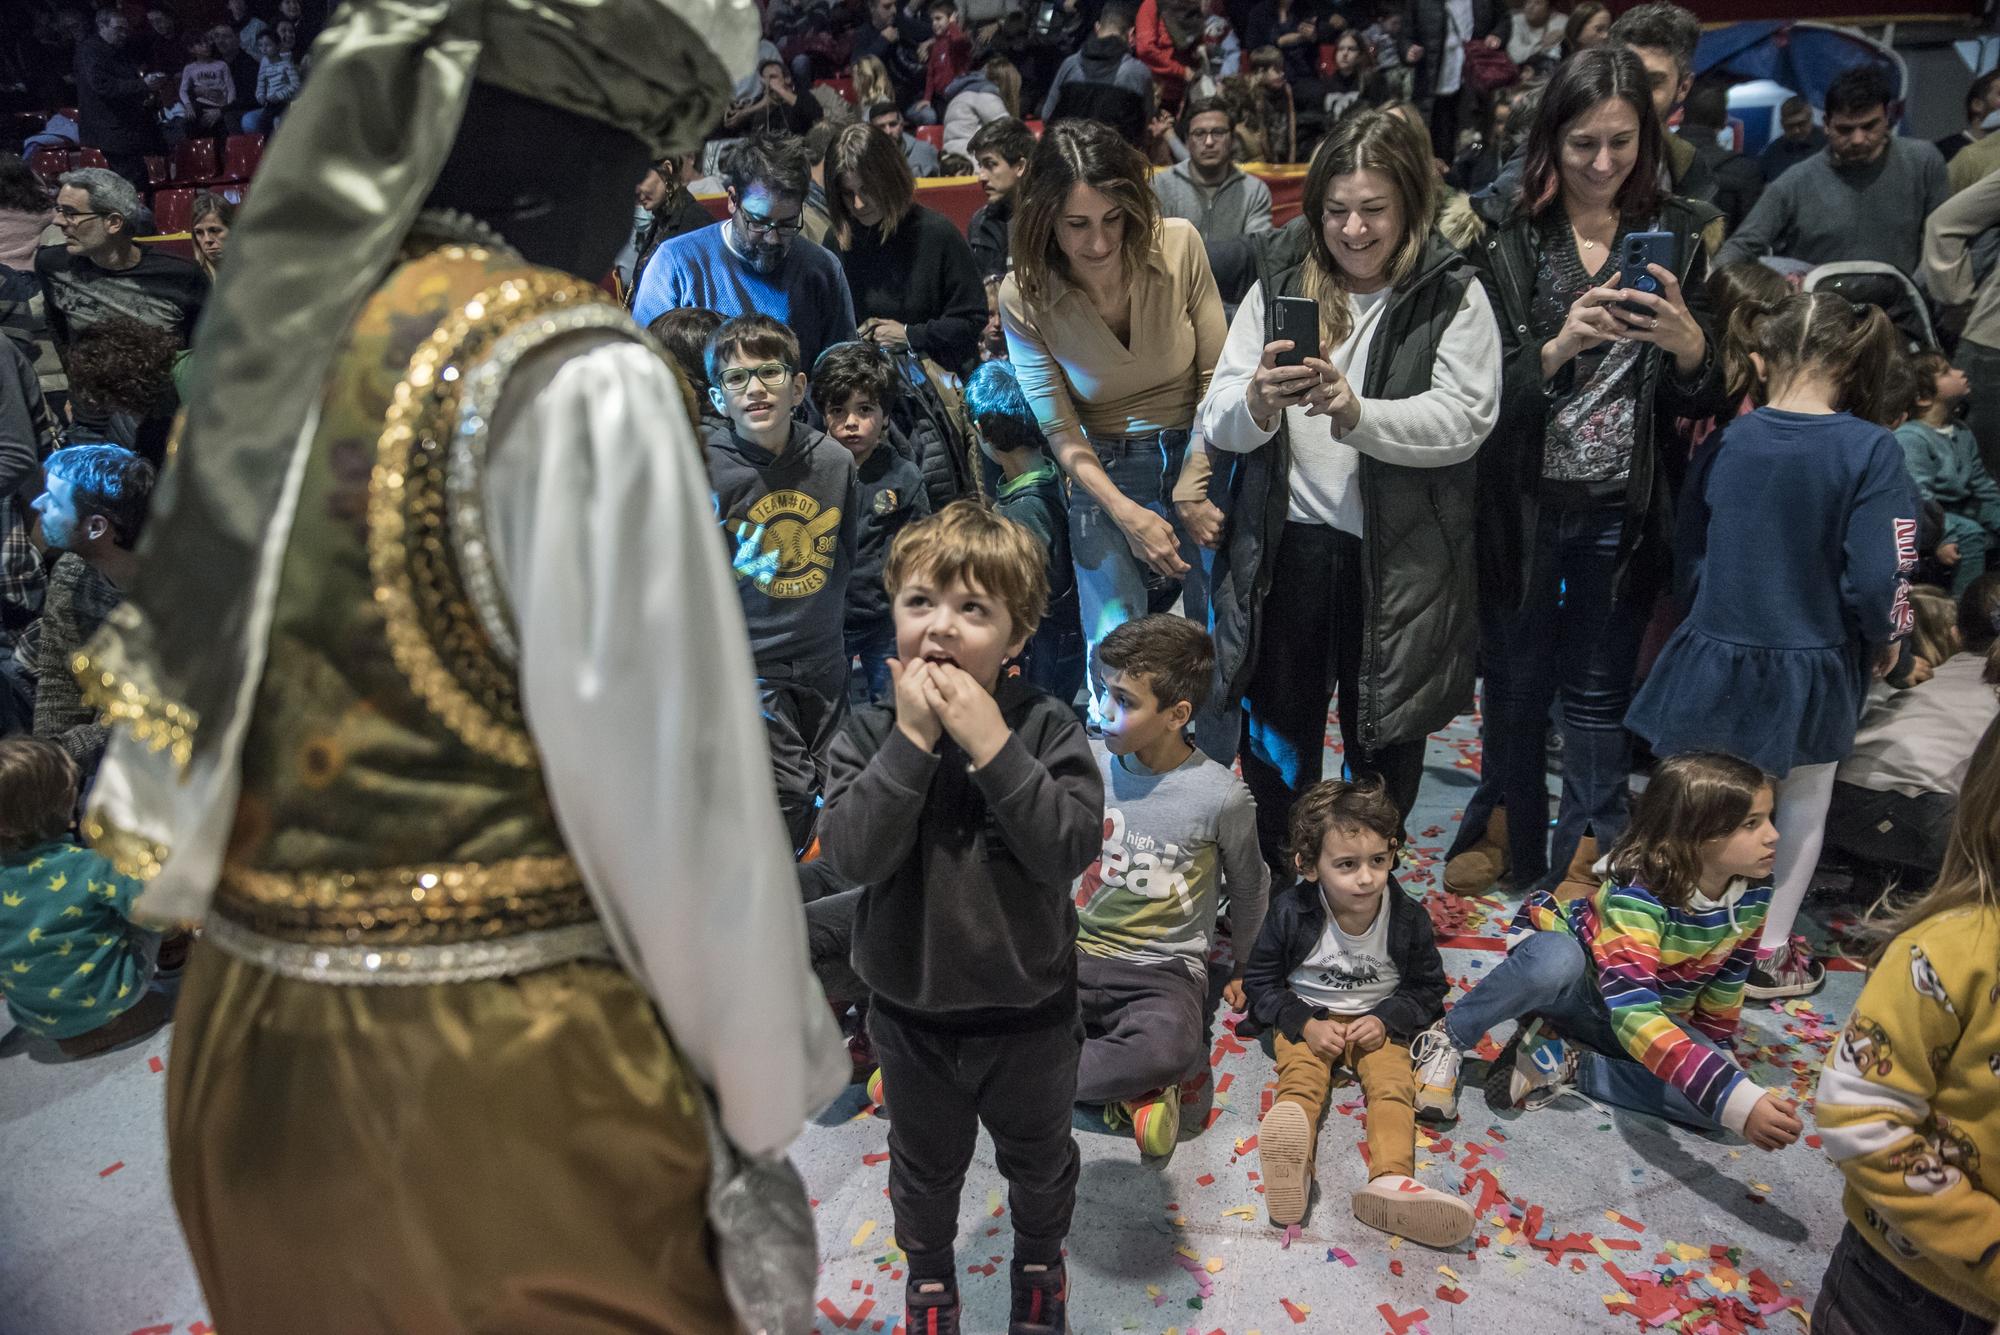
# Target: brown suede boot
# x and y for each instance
(1580, 882)
(1474, 871)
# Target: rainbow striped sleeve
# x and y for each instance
(1661, 969)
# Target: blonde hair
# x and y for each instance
(1936, 635)
(871, 82)
(1379, 142)
(966, 542)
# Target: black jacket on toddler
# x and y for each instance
(1292, 930)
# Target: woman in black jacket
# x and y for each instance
(911, 272)
(1577, 483)
(1346, 566)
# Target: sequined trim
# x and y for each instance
(406, 966)
(419, 905)
(158, 725)
(466, 474)
(132, 855)
(437, 641)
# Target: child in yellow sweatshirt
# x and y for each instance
(1909, 1102)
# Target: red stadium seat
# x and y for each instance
(240, 155)
(156, 171)
(49, 163)
(194, 162)
(88, 157)
(173, 210)
(932, 135)
(843, 85)
(1327, 67)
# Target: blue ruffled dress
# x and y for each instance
(1793, 540)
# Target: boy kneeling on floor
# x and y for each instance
(1348, 972)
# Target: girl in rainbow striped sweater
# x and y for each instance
(1635, 991)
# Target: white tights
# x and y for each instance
(1802, 799)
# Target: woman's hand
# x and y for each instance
(1332, 397)
(1274, 388)
(1587, 325)
(1665, 322)
(1152, 539)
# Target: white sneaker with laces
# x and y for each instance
(1437, 1061)
(1544, 1069)
(1791, 971)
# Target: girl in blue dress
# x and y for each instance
(1797, 531)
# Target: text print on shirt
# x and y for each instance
(1140, 867)
(803, 536)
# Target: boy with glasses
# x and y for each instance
(756, 261)
(791, 491)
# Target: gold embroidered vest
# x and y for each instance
(393, 824)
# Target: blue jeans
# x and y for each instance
(1113, 585)
(1550, 975)
(1573, 639)
(874, 646)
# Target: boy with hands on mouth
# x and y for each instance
(967, 811)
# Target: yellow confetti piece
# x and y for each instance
(1152, 1290)
(1762, 1188)
(1394, 1242)
(1448, 1273)
(861, 1234)
(1188, 1252)
(1612, 1215)
(1213, 1265)
(1604, 1252)
(992, 1202)
(1240, 1212)
(1426, 1163)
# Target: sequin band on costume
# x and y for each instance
(409, 966)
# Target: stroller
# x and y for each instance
(1873, 283)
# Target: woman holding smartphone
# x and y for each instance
(1346, 564)
(1577, 486)
(1113, 325)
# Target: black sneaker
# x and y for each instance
(930, 1306)
(1041, 1300)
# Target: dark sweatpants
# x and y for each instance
(1863, 1293)
(940, 1089)
(1144, 1027)
(804, 705)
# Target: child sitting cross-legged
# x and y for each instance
(967, 813)
(72, 966)
(1178, 830)
(1347, 970)
(1629, 996)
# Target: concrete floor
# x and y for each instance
(89, 1243)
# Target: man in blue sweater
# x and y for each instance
(755, 262)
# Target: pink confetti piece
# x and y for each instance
(107, 1172)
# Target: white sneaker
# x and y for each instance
(1407, 1208)
(1437, 1060)
(1284, 1149)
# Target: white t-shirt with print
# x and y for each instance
(1349, 975)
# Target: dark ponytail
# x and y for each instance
(1824, 331)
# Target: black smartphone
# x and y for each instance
(1641, 249)
(1296, 318)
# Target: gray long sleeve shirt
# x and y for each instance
(1821, 214)
(1240, 206)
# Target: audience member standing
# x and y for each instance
(1346, 567)
(1738, 180)
(1444, 29)
(912, 276)
(207, 87)
(99, 271)
(1797, 141)
(755, 261)
(947, 55)
(278, 82)
(1865, 198)
(1104, 59)
(1952, 276)
(243, 67)
(1000, 153)
(1534, 41)
(114, 101)
(1574, 533)
(1797, 592)
(1113, 325)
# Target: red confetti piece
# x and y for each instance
(1293, 1311)
(154, 1330)
(871, 1160)
(1395, 1267)
(107, 1172)
(1630, 1223)
(1205, 1180)
(1813, 1142)
(1451, 1295)
(155, 1065)
(1401, 1324)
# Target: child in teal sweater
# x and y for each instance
(1944, 462)
(73, 967)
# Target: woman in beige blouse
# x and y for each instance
(1113, 325)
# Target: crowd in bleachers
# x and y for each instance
(1688, 455)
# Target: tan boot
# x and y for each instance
(1580, 882)
(1474, 871)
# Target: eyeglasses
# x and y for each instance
(767, 226)
(774, 374)
(64, 213)
(1195, 136)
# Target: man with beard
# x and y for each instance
(434, 706)
(755, 261)
(1864, 198)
